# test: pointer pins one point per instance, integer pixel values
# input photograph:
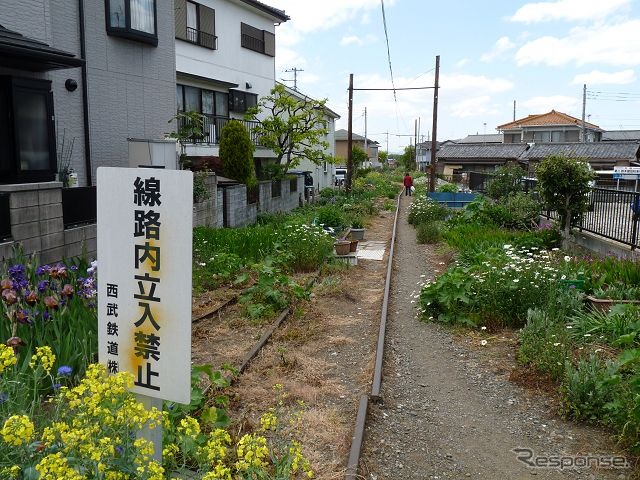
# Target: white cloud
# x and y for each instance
(596, 77)
(562, 103)
(502, 46)
(476, 83)
(462, 62)
(473, 107)
(567, 10)
(309, 16)
(356, 40)
(614, 44)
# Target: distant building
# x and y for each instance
(357, 141)
(551, 127)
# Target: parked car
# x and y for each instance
(341, 176)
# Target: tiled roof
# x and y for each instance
(496, 151)
(487, 138)
(621, 135)
(589, 150)
(550, 118)
(275, 12)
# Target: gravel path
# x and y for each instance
(445, 414)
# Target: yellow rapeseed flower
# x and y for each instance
(17, 430)
(45, 357)
(189, 427)
(251, 452)
(55, 466)
(220, 472)
(7, 357)
(268, 421)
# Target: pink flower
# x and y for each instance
(51, 302)
(67, 290)
(9, 296)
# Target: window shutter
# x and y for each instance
(207, 20)
(269, 44)
(181, 19)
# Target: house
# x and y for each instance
(423, 155)
(486, 138)
(621, 136)
(456, 158)
(600, 155)
(225, 61)
(341, 140)
(323, 175)
(77, 80)
(96, 72)
(551, 127)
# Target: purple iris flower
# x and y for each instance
(17, 272)
(65, 371)
(41, 270)
(43, 285)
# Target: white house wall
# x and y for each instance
(230, 62)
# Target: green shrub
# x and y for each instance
(544, 344)
(236, 152)
(618, 327)
(447, 188)
(331, 216)
(425, 210)
(429, 232)
(517, 211)
(304, 248)
(587, 389)
(506, 180)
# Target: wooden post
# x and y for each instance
(434, 129)
(350, 138)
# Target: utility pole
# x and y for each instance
(514, 110)
(584, 109)
(295, 76)
(415, 143)
(434, 129)
(350, 137)
(366, 148)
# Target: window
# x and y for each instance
(240, 101)
(258, 40)
(208, 102)
(27, 137)
(195, 23)
(133, 19)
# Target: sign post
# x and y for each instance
(144, 286)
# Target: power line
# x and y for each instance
(386, 36)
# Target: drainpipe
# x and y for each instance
(85, 95)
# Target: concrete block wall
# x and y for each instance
(219, 209)
(205, 211)
(35, 211)
(37, 225)
(238, 213)
(81, 241)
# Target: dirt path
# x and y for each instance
(446, 414)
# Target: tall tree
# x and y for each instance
(564, 184)
(294, 128)
(236, 152)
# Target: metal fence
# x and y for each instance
(611, 215)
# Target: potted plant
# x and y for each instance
(357, 229)
(342, 247)
(609, 295)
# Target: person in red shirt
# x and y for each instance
(408, 183)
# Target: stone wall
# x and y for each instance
(204, 211)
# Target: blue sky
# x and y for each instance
(491, 53)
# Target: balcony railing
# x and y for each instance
(213, 126)
(201, 38)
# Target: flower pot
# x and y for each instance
(342, 247)
(605, 304)
(356, 233)
(353, 247)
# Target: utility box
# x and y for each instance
(153, 153)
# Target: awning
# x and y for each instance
(24, 53)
